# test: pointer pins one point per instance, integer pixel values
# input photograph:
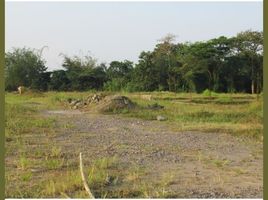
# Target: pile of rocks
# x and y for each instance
(101, 102)
(96, 98)
(82, 103)
(75, 104)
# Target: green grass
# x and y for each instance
(54, 163)
(103, 173)
(36, 167)
(222, 113)
(26, 176)
(41, 169)
(23, 163)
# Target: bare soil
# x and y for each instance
(202, 165)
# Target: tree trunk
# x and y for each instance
(252, 87)
(252, 77)
(258, 84)
(257, 87)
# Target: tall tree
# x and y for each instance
(165, 56)
(145, 74)
(250, 44)
(24, 67)
(80, 71)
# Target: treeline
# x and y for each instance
(221, 64)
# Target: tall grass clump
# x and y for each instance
(209, 93)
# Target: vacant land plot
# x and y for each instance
(208, 146)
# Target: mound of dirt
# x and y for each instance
(102, 103)
(114, 103)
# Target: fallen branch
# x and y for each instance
(83, 178)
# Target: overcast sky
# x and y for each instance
(119, 31)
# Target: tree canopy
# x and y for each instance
(24, 67)
(220, 64)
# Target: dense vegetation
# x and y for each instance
(221, 65)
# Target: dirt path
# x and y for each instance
(201, 164)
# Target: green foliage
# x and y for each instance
(26, 176)
(114, 85)
(209, 93)
(59, 81)
(220, 64)
(83, 73)
(23, 162)
(24, 67)
(99, 173)
(119, 75)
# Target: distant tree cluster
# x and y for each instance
(221, 64)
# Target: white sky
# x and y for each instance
(119, 31)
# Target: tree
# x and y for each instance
(24, 67)
(165, 56)
(59, 81)
(81, 72)
(93, 78)
(145, 76)
(220, 64)
(119, 75)
(191, 68)
(120, 69)
(250, 44)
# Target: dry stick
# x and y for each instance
(84, 180)
(65, 195)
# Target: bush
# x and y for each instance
(118, 84)
(209, 93)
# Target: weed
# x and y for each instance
(209, 93)
(23, 163)
(55, 152)
(54, 163)
(99, 175)
(26, 176)
(220, 163)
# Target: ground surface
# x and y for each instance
(207, 147)
(200, 164)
